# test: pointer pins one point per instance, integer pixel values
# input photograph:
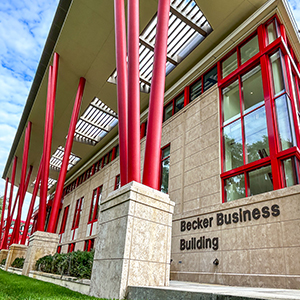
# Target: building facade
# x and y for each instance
(229, 157)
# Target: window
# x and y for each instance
(196, 89)
(71, 247)
(117, 182)
(94, 211)
(89, 245)
(253, 126)
(179, 103)
(58, 249)
(210, 78)
(63, 224)
(76, 219)
(165, 165)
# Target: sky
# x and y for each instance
(24, 26)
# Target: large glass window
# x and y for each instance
(235, 187)
(291, 171)
(165, 166)
(260, 180)
(277, 74)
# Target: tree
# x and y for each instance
(1, 203)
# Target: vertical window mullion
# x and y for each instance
(271, 120)
(242, 120)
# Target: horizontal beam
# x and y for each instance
(106, 128)
(150, 46)
(186, 20)
(105, 110)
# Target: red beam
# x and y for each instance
(22, 183)
(3, 206)
(134, 155)
(120, 41)
(30, 210)
(65, 162)
(155, 116)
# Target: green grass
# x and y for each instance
(14, 286)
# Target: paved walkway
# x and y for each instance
(189, 290)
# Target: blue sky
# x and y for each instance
(24, 26)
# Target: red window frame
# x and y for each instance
(89, 245)
(262, 57)
(71, 247)
(162, 159)
(93, 216)
(77, 213)
(117, 182)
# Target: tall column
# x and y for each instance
(22, 181)
(156, 101)
(65, 162)
(3, 207)
(120, 40)
(8, 221)
(30, 210)
(16, 232)
(134, 155)
(51, 93)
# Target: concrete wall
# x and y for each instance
(262, 251)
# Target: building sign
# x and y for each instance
(221, 219)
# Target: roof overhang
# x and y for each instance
(82, 34)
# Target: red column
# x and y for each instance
(65, 162)
(120, 40)
(30, 210)
(8, 221)
(156, 101)
(22, 182)
(3, 207)
(134, 160)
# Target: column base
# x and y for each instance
(15, 250)
(134, 241)
(40, 244)
(3, 254)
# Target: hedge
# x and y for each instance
(77, 264)
(3, 262)
(18, 263)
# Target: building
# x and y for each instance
(230, 137)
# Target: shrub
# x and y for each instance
(18, 263)
(3, 262)
(77, 264)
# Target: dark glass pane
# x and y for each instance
(235, 187)
(210, 78)
(233, 147)
(165, 175)
(195, 90)
(166, 152)
(252, 89)
(256, 135)
(179, 103)
(284, 121)
(249, 49)
(260, 180)
(229, 65)
(231, 102)
(98, 204)
(168, 111)
(291, 171)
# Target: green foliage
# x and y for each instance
(18, 287)
(18, 262)
(77, 264)
(3, 262)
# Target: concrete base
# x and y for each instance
(134, 241)
(40, 244)
(3, 254)
(15, 251)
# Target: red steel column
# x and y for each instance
(9, 217)
(120, 40)
(3, 207)
(156, 101)
(65, 162)
(134, 155)
(30, 210)
(22, 181)
(15, 235)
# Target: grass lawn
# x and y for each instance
(14, 286)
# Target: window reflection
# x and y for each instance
(231, 102)
(249, 49)
(235, 187)
(260, 180)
